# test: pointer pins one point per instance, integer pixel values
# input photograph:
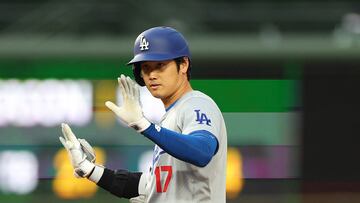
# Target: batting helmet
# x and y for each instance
(158, 44)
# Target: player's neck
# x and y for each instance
(177, 95)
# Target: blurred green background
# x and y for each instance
(284, 74)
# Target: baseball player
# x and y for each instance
(190, 153)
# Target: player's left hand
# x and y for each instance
(130, 111)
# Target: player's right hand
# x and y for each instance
(80, 152)
(130, 112)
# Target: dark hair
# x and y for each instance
(181, 60)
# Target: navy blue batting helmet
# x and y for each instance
(158, 44)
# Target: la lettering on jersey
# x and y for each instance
(174, 180)
(201, 117)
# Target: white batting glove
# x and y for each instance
(89, 153)
(80, 152)
(130, 112)
(88, 150)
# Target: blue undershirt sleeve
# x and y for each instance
(196, 148)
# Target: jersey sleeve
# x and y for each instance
(199, 114)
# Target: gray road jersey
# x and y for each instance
(173, 180)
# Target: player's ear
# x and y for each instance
(184, 65)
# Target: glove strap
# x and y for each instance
(140, 125)
(84, 169)
(88, 150)
(96, 174)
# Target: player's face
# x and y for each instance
(164, 80)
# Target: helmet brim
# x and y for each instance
(152, 57)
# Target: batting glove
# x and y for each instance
(89, 153)
(130, 111)
(80, 152)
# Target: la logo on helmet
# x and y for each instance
(144, 44)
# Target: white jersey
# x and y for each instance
(172, 180)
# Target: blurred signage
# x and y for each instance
(18, 172)
(45, 102)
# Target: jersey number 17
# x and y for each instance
(158, 171)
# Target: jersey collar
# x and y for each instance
(168, 108)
